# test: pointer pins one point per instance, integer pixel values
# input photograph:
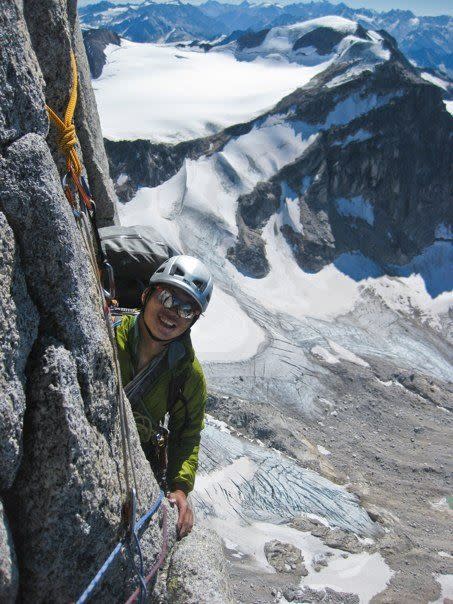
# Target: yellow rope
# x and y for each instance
(68, 138)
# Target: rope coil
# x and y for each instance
(68, 138)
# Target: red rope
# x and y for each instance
(160, 560)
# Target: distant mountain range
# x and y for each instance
(427, 41)
(355, 163)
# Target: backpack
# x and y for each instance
(134, 252)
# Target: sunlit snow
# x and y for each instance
(226, 332)
(363, 574)
(446, 584)
(168, 94)
(429, 77)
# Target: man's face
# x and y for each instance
(165, 323)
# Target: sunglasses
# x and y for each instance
(169, 300)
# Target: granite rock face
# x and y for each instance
(56, 20)
(21, 96)
(8, 568)
(62, 476)
(18, 330)
(194, 581)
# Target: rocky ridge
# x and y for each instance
(61, 481)
(378, 158)
(425, 40)
(95, 42)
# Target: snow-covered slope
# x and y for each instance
(425, 40)
(327, 224)
(170, 94)
(312, 42)
(308, 200)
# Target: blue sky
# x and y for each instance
(419, 7)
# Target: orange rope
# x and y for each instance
(68, 138)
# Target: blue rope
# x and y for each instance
(101, 572)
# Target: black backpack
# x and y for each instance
(134, 253)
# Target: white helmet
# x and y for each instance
(189, 274)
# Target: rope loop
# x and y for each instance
(138, 530)
(68, 137)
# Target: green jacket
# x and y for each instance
(185, 425)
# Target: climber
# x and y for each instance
(160, 374)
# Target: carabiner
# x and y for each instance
(67, 190)
(108, 270)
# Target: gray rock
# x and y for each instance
(9, 574)
(95, 42)
(58, 282)
(197, 573)
(56, 21)
(308, 595)
(65, 503)
(61, 499)
(285, 558)
(314, 526)
(344, 540)
(428, 388)
(319, 562)
(90, 136)
(324, 39)
(249, 253)
(21, 98)
(18, 330)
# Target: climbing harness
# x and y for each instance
(78, 194)
(139, 529)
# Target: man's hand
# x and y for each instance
(185, 513)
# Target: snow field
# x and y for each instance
(342, 354)
(446, 585)
(226, 332)
(212, 185)
(168, 94)
(363, 574)
(282, 39)
(429, 77)
(288, 289)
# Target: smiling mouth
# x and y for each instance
(166, 323)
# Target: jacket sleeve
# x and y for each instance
(185, 425)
